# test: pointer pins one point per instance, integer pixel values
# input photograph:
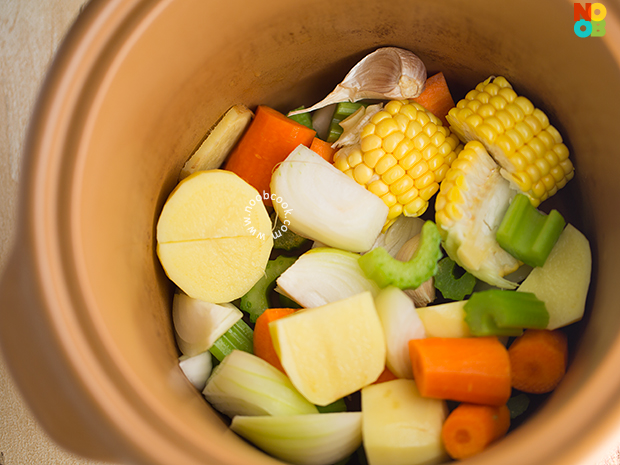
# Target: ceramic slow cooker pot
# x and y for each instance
(85, 320)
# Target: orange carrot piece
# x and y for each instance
(324, 149)
(263, 344)
(385, 376)
(269, 139)
(538, 360)
(475, 370)
(436, 97)
(470, 428)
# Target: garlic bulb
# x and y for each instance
(386, 73)
(424, 294)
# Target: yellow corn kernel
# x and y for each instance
(486, 110)
(404, 183)
(418, 169)
(370, 142)
(395, 211)
(403, 148)
(393, 174)
(505, 118)
(515, 111)
(349, 173)
(415, 208)
(355, 158)
(525, 105)
(391, 142)
(408, 196)
(423, 117)
(393, 107)
(386, 127)
(498, 102)
(402, 121)
(436, 162)
(425, 180)
(379, 116)
(367, 130)
(386, 162)
(412, 158)
(372, 158)
(362, 174)
(340, 161)
(474, 120)
(389, 199)
(379, 188)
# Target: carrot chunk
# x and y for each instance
(436, 97)
(385, 376)
(474, 370)
(263, 344)
(470, 428)
(269, 139)
(538, 360)
(324, 149)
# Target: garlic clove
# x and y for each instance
(425, 293)
(386, 73)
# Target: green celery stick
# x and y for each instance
(527, 233)
(343, 110)
(256, 300)
(240, 337)
(449, 285)
(302, 118)
(337, 406)
(504, 313)
(385, 270)
(284, 238)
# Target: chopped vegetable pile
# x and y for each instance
(373, 278)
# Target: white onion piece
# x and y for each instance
(244, 384)
(320, 439)
(324, 275)
(198, 324)
(197, 369)
(403, 229)
(401, 323)
(323, 204)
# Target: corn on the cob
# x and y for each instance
(518, 135)
(471, 203)
(403, 154)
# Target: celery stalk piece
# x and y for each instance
(256, 300)
(284, 238)
(244, 384)
(385, 270)
(343, 110)
(239, 337)
(337, 406)
(450, 286)
(400, 324)
(528, 234)
(197, 369)
(302, 118)
(321, 439)
(518, 405)
(198, 324)
(504, 313)
(324, 275)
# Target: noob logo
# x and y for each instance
(590, 21)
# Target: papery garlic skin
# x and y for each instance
(386, 73)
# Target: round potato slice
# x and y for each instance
(214, 236)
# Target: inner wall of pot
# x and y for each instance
(170, 81)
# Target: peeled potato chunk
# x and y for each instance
(214, 236)
(562, 282)
(331, 351)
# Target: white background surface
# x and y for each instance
(30, 31)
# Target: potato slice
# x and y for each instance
(400, 427)
(331, 351)
(219, 141)
(562, 282)
(444, 320)
(214, 236)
